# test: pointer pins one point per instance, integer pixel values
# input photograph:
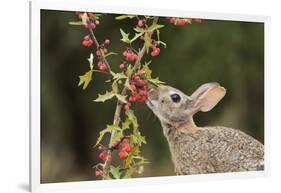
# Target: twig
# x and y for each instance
(98, 47)
(118, 108)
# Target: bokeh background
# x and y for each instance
(231, 53)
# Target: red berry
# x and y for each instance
(143, 92)
(102, 66)
(87, 43)
(122, 155)
(98, 173)
(133, 87)
(127, 106)
(140, 23)
(105, 50)
(180, 22)
(101, 147)
(107, 42)
(90, 25)
(126, 149)
(98, 53)
(197, 20)
(87, 37)
(132, 99)
(102, 156)
(122, 66)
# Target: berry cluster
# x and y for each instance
(102, 50)
(155, 50)
(130, 55)
(92, 22)
(182, 21)
(104, 155)
(138, 90)
(125, 149)
(87, 41)
(99, 173)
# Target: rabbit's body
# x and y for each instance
(197, 150)
(213, 150)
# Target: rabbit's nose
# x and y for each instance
(153, 94)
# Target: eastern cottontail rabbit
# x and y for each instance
(197, 150)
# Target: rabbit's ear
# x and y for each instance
(207, 96)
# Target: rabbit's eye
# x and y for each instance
(175, 98)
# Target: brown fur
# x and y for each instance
(197, 150)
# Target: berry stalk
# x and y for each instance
(116, 120)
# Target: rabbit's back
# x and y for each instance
(214, 149)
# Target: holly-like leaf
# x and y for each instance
(154, 26)
(104, 97)
(147, 70)
(129, 70)
(121, 17)
(147, 42)
(115, 87)
(118, 76)
(137, 35)
(156, 81)
(108, 129)
(140, 30)
(137, 138)
(85, 79)
(115, 171)
(133, 119)
(75, 23)
(85, 18)
(125, 37)
(126, 124)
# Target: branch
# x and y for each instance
(118, 108)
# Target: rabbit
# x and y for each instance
(201, 150)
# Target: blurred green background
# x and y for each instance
(231, 53)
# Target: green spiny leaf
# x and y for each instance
(118, 76)
(154, 26)
(108, 129)
(104, 97)
(147, 70)
(133, 119)
(147, 42)
(75, 23)
(121, 17)
(115, 171)
(125, 37)
(85, 79)
(156, 81)
(140, 30)
(85, 18)
(114, 86)
(137, 35)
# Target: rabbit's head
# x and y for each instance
(172, 106)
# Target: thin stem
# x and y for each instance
(101, 51)
(118, 108)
